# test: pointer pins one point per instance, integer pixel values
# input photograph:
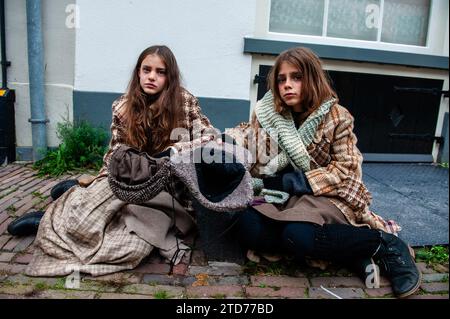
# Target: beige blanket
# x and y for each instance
(91, 231)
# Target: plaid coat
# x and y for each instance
(194, 123)
(90, 230)
(335, 166)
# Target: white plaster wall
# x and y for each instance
(59, 51)
(206, 36)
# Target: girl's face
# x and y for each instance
(152, 74)
(289, 81)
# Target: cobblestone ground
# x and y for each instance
(22, 191)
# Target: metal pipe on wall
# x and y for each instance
(4, 62)
(36, 75)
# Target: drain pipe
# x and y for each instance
(36, 75)
(4, 63)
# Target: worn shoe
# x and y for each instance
(62, 187)
(395, 259)
(25, 225)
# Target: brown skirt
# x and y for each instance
(307, 208)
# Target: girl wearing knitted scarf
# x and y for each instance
(310, 201)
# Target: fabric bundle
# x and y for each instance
(216, 175)
(135, 177)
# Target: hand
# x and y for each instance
(296, 183)
(293, 183)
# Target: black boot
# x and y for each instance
(395, 259)
(25, 225)
(62, 187)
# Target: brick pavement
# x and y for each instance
(22, 191)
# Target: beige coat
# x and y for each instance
(335, 170)
(88, 229)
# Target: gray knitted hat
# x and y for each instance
(135, 177)
(216, 175)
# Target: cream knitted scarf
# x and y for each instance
(282, 129)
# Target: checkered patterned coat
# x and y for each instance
(335, 166)
(194, 120)
(85, 229)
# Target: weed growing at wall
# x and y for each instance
(435, 254)
(82, 147)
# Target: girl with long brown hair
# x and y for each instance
(154, 105)
(89, 228)
(312, 202)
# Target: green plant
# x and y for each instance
(39, 195)
(444, 165)
(11, 210)
(161, 294)
(435, 254)
(82, 147)
(60, 283)
(40, 285)
(276, 268)
(282, 267)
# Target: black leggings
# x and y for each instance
(329, 242)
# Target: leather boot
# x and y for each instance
(25, 225)
(395, 260)
(62, 187)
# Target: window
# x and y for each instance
(301, 16)
(405, 21)
(353, 19)
(388, 21)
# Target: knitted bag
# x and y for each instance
(135, 177)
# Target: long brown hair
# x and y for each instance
(316, 87)
(149, 120)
